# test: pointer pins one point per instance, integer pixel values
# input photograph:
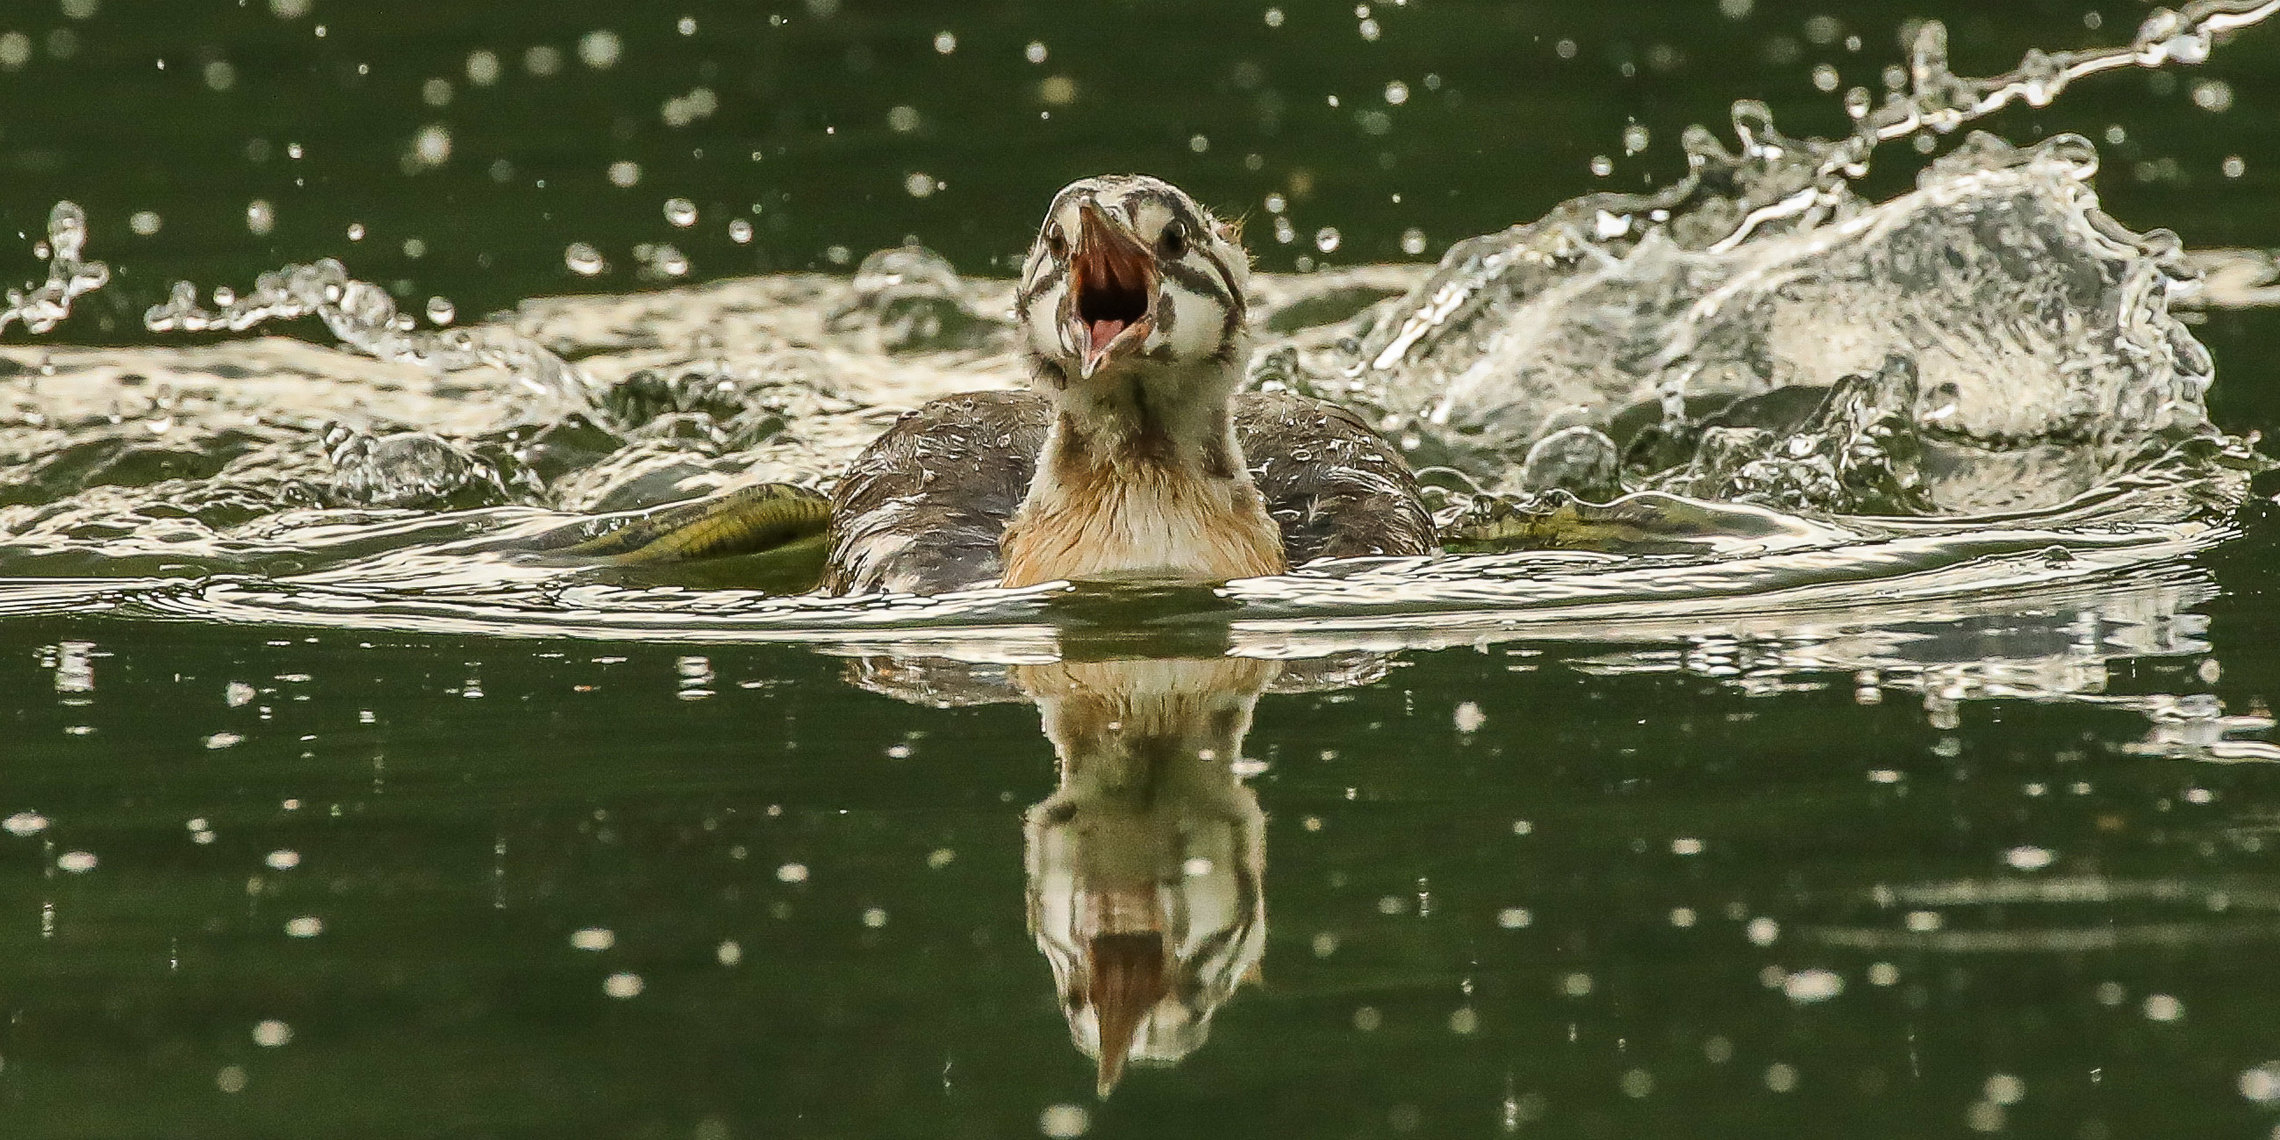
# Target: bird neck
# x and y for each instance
(1141, 476)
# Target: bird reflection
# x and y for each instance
(1146, 865)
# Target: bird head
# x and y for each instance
(1129, 274)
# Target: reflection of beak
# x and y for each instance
(1112, 292)
(1127, 981)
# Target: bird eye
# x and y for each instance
(1056, 242)
(1175, 240)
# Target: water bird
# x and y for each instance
(1134, 455)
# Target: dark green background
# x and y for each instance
(1511, 130)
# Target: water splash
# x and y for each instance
(1697, 329)
(1987, 352)
(70, 276)
(363, 317)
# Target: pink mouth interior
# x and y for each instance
(1103, 332)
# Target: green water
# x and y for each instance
(1888, 868)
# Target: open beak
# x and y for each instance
(1112, 292)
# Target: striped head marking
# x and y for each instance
(1129, 270)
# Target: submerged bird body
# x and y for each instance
(924, 509)
(1135, 456)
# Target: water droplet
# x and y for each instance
(272, 1034)
(1064, 1121)
(76, 862)
(600, 49)
(542, 60)
(919, 184)
(1397, 93)
(2262, 1083)
(260, 217)
(1326, 239)
(482, 68)
(584, 260)
(441, 311)
(681, 212)
(1034, 53)
(1413, 241)
(1806, 987)
(144, 223)
(945, 43)
(432, 146)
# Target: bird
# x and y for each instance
(1133, 455)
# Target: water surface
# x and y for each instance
(1927, 791)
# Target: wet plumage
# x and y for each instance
(1135, 456)
(923, 508)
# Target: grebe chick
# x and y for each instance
(1135, 457)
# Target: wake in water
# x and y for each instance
(1816, 404)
